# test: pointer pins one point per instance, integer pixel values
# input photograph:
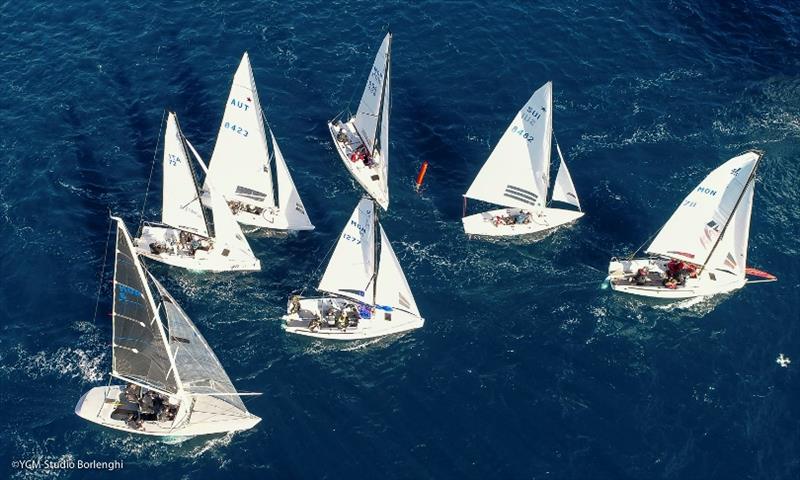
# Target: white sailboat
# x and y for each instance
(175, 385)
(702, 249)
(365, 291)
(260, 191)
(363, 141)
(517, 175)
(184, 237)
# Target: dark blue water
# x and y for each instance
(526, 367)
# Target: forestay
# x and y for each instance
(139, 351)
(516, 173)
(181, 207)
(289, 201)
(368, 115)
(352, 265)
(563, 188)
(239, 165)
(694, 228)
(200, 371)
(392, 287)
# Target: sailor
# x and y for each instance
(671, 282)
(294, 301)
(523, 216)
(313, 325)
(342, 137)
(341, 320)
(641, 276)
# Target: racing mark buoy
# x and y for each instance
(421, 175)
(783, 360)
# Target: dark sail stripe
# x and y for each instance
(250, 193)
(520, 198)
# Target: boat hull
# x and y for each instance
(367, 177)
(381, 322)
(200, 260)
(483, 224)
(621, 279)
(207, 416)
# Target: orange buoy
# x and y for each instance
(421, 175)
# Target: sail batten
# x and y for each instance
(714, 214)
(516, 174)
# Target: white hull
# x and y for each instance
(380, 324)
(367, 177)
(484, 223)
(621, 278)
(208, 415)
(212, 260)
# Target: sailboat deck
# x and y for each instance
(367, 176)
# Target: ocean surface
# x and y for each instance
(526, 367)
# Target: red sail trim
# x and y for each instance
(759, 273)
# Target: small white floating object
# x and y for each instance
(783, 360)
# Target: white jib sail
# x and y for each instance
(563, 188)
(200, 371)
(517, 172)
(694, 228)
(351, 268)
(392, 288)
(731, 252)
(239, 164)
(181, 206)
(367, 116)
(289, 203)
(227, 232)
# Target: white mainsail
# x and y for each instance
(563, 188)
(139, 353)
(368, 115)
(693, 230)
(289, 201)
(392, 288)
(200, 370)
(351, 268)
(181, 207)
(516, 174)
(239, 165)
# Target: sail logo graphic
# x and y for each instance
(126, 292)
(173, 159)
(707, 191)
(240, 104)
(730, 260)
(710, 233)
(735, 171)
(531, 114)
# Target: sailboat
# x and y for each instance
(365, 292)
(702, 249)
(253, 177)
(184, 237)
(175, 385)
(363, 141)
(517, 176)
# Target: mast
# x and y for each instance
(733, 210)
(375, 227)
(191, 169)
(383, 94)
